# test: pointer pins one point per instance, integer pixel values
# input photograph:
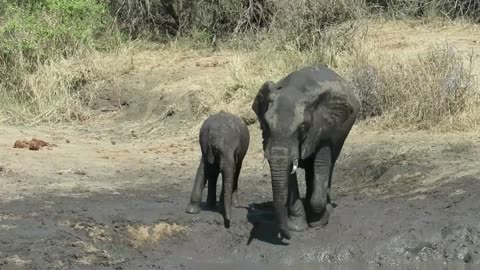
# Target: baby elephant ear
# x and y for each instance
(259, 105)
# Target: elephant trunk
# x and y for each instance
(279, 168)
(228, 178)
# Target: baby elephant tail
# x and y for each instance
(210, 155)
(214, 146)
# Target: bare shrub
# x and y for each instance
(294, 21)
(417, 93)
(452, 9)
(302, 22)
(53, 92)
(299, 21)
(171, 18)
(365, 80)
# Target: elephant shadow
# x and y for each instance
(265, 229)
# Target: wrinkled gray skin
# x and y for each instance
(224, 139)
(305, 117)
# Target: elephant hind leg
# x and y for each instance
(196, 196)
(212, 172)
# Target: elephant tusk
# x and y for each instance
(295, 166)
(263, 163)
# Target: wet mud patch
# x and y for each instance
(149, 229)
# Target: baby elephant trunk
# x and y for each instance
(228, 178)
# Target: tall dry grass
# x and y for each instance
(431, 90)
(60, 90)
(434, 89)
(52, 57)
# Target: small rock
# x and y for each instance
(67, 141)
(113, 142)
(80, 172)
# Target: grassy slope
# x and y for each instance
(412, 63)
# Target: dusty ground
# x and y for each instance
(92, 204)
(112, 193)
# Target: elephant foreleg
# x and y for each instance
(318, 213)
(296, 213)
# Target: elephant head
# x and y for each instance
(294, 118)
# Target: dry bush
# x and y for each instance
(249, 70)
(49, 93)
(452, 9)
(54, 92)
(435, 89)
(299, 22)
(171, 18)
(302, 22)
(427, 91)
(44, 56)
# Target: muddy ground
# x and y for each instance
(107, 200)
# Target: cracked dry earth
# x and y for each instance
(107, 200)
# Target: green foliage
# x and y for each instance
(39, 29)
(33, 32)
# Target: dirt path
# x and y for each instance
(98, 203)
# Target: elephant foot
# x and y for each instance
(297, 224)
(193, 208)
(320, 220)
(226, 222)
(297, 219)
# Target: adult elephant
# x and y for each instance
(305, 119)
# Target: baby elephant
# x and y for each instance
(224, 139)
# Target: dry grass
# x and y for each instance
(459, 147)
(55, 91)
(432, 88)
(401, 85)
(249, 70)
(152, 234)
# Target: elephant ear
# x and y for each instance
(327, 110)
(260, 106)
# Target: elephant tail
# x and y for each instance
(215, 143)
(210, 154)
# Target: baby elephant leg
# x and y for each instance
(197, 192)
